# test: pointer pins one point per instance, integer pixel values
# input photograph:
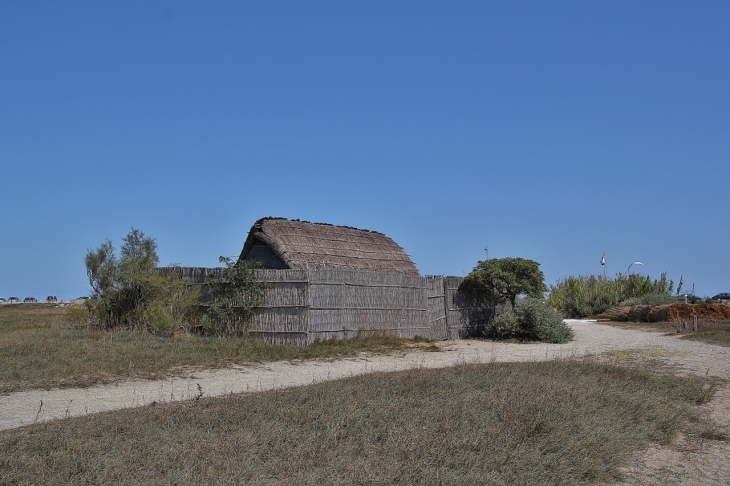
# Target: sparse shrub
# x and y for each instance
(530, 320)
(235, 292)
(78, 315)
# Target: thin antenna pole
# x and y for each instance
(486, 249)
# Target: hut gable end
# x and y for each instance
(280, 243)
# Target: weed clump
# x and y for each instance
(530, 320)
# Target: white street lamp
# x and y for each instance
(628, 272)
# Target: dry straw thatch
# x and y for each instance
(300, 245)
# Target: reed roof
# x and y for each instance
(303, 245)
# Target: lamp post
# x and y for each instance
(628, 272)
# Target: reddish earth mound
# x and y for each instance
(667, 313)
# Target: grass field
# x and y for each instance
(721, 338)
(667, 327)
(560, 422)
(38, 349)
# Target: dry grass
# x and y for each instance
(721, 338)
(648, 352)
(666, 327)
(39, 350)
(559, 422)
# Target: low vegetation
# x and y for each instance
(235, 293)
(559, 422)
(490, 294)
(129, 291)
(649, 299)
(38, 349)
(720, 337)
(530, 320)
(662, 326)
(583, 296)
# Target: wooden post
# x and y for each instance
(446, 308)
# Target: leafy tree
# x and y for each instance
(235, 292)
(130, 292)
(506, 278)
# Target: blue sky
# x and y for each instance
(554, 131)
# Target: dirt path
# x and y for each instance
(29, 407)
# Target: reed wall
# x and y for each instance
(303, 306)
(436, 307)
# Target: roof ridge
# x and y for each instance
(273, 218)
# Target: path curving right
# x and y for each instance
(28, 407)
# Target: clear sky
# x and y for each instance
(554, 131)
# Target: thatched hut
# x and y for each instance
(281, 244)
(338, 282)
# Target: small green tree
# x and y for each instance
(235, 292)
(130, 292)
(506, 278)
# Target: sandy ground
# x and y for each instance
(688, 461)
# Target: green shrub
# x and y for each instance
(530, 320)
(504, 326)
(236, 292)
(589, 295)
(130, 292)
(158, 318)
(649, 299)
(78, 315)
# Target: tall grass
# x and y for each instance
(589, 295)
(560, 422)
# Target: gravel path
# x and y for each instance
(22, 408)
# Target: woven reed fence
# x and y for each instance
(466, 314)
(712, 325)
(436, 307)
(303, 306)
